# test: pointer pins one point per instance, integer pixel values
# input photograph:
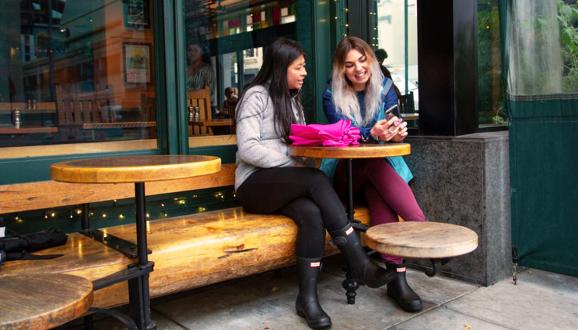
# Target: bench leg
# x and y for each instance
(139, 287)
(350, 285)
(139, 303)
(85, 223)
(87, 321)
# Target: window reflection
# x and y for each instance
(392, 45)
(491, 101)
(230, 35)
(76, 71)
(252, 62)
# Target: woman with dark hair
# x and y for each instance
(358, 91)
(268, 180)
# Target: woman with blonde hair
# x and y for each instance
(358, 91)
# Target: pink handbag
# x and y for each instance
(339, 134)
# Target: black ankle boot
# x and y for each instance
(307, 304)
(361, 268)
(401, 292)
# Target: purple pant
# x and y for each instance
(387, 195)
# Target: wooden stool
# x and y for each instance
(426, 240)
(42, 301)
(422, 240)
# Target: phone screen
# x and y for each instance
(389, 112)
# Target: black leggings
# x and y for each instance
(303, 194)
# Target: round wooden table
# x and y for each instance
(134, 168)
(349, 153)
(428, 240)
(42, 301)
(137, 169)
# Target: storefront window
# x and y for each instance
(542, 47)
(76, 71)
(225, 41)
(397, 48)
(490, 90)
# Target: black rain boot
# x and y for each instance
(361, 268)
(401, 292)
(307, 304)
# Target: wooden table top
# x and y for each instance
(358, 151)
(134, 168)
(421, 239)
(219, 122)
(42, 301)
(41, 107)
(27, 130)
(120, 124)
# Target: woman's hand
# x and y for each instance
(401, 132)
(390, 129)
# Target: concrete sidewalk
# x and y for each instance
(541, 300)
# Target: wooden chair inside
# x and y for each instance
(200, 98)
(78, 108)
(76, 111)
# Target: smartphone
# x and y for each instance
(389, 112)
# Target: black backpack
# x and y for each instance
(20, 246)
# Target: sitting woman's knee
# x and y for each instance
(306, 214)
(317, 177)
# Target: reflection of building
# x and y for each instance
(252, 61)
(391, 22)
(78, 50)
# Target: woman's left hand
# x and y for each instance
(401, 132)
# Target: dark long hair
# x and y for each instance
(273, 76)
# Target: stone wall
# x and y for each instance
(464, 180)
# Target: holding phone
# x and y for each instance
(389, 112)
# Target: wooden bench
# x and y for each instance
(188, 251)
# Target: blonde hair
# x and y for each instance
(343, 93)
